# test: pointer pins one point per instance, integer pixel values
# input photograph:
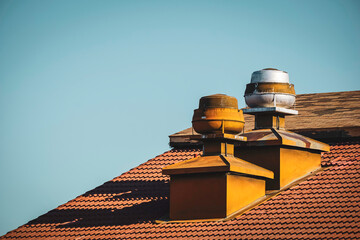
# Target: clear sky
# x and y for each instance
(90, 89)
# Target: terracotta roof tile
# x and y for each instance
(325, 206)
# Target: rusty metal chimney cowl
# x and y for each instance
(218, 113)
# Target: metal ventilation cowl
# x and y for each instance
(270, 88)
(218, 113)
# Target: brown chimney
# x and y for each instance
(215, 184)
(290, 156)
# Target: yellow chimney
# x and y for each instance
(215, 184)
(290, 156)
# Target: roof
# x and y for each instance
(325, 206)
(321, 115)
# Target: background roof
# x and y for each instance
(321, 115)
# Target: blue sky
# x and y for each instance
(90, 89)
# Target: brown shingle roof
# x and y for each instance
(321, 115)
(326, 110)
(325, 206)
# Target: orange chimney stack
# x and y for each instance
(215, 184)
(290, 156)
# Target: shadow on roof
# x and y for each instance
(113, 203)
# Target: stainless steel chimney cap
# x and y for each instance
(270, 87)
(270, 75)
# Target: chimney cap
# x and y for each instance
(274, 69)
(218, 101)
(270, 75)
(218, 113)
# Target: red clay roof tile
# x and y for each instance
(325, 206)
